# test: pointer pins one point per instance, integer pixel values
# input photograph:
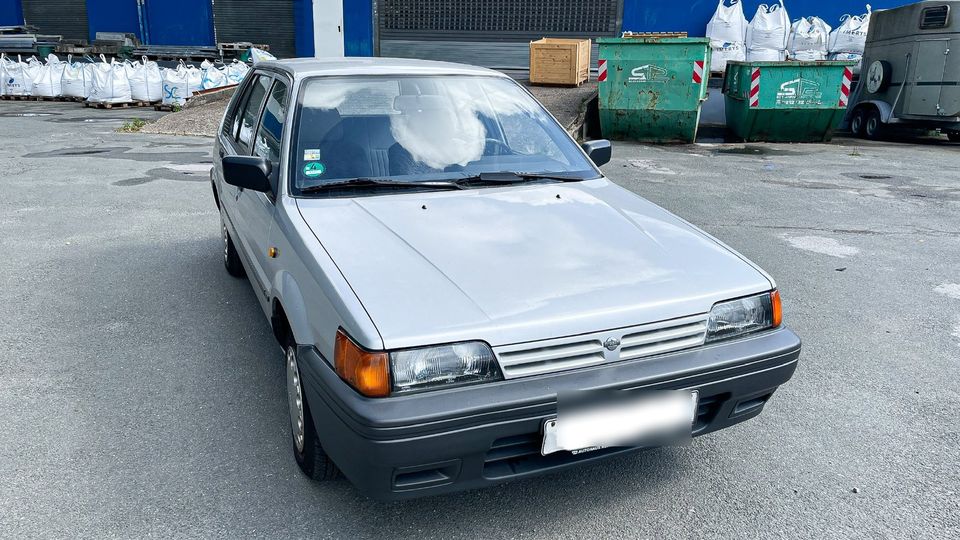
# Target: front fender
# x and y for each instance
(286, 291)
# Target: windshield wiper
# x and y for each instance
(510, 177)
(364, 182)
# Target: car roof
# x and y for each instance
(306, 67)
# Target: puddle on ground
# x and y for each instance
(122, 152)
(758, 150)
(196, 172)
(26, 114)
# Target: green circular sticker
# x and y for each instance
(313, 169)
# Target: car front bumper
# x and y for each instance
(475, 436)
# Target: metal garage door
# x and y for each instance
(256, 21)
(67, 18)
(493, 33)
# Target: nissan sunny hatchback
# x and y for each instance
(461, 296)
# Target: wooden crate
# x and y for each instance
(559, 61)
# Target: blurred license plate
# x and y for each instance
(591, 421)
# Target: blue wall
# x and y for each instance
(692, 15)
(11, 13)
(358, 27)
(180, 22)
(303, 27)
(113, 16)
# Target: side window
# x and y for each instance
(247, 118)
(229, 122)
(267, 144)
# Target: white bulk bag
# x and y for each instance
(212, 77)
(146, 83)
(259, 55)
(851, 35)
(3, 74)
(235, 71)
(46, 81)
(723, 52)
(176, 86)
(110, 83)
(765, 55)
(728, 25)
(194, 76)
(808, 39)
(848, 57)
(769, 28)
(77, 79)
(19, 76)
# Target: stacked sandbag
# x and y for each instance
(808, 39)
(767, 33)
(46, 80)
(846, 42)
(110, 83)
(727, 31)
(146, 82)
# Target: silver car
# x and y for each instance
(461, 296)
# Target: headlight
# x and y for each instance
(370, 372)
(744, 315)
(444, 365)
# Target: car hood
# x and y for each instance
(522, 263)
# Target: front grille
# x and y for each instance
(521, 453)
(688, 333)
(548, 356)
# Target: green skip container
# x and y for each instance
(651, 88)
(786, 101)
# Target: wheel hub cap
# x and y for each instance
(295, 399)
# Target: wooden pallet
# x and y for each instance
(100, 105)
(30, 98)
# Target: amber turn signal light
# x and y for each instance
(775, 304)
(368, 372)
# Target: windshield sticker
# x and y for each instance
(311, 154)
(314, 169)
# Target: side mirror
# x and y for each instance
(248, 172)
(598, 150)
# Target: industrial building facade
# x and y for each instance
(486, 32)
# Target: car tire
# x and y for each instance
(231, 259)
(953, 136)
(856, 122)
(872, 125)
(310, 457)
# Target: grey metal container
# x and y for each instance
(911, 70)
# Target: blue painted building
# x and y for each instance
(487, 32)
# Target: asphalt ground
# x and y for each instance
(142, 395)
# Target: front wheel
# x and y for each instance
(954, 136)
(311, 458)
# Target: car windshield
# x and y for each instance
(425, 129)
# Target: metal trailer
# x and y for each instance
(911, 77)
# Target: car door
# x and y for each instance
(259, 209)
(250, 212)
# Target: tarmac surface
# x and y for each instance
(143, 395)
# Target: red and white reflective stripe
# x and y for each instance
(755, 87)
(698, 71)
(601, 70)
(845, 87)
